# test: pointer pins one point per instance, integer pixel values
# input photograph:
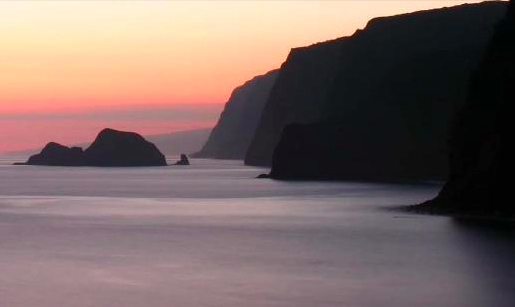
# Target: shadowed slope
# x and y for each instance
(233, 133)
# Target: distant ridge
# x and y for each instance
(176, 143)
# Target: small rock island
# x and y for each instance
(111, 148)
(183, 161)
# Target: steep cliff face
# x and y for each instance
(388, 109)
(297, 96)
(231, 136)
(480, 137)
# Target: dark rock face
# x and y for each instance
(389, 105)
(232, 134)
(54, 154)
(183, 161)
(120, 148)
(110, 148)
(480, 137)
(297, 96)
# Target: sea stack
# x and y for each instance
(110, 148)
(183, 161)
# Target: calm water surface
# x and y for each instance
(212, 235)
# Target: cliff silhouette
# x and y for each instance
(231, 136)
(381, 107)
(296, 97)
(479, 138)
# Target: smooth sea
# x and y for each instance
(212, 235)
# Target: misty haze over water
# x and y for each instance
(212, 235)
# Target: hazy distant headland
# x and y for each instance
(233, 133)
(175, 143)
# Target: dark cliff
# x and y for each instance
(231, 136)
(390, 102)
(480, 138)
(110, 148)
(296, 96)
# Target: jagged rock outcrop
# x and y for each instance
(54, 154)
(231, 136)
(110, 148)
(183, 160)
(480, 137)
(388, 108)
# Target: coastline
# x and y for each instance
(438, 208)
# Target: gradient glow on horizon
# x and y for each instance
(59, 57)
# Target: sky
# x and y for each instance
(70, 68)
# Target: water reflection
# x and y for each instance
(488, 254)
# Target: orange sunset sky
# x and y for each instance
(71, 68)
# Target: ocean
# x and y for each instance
(212, 235)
